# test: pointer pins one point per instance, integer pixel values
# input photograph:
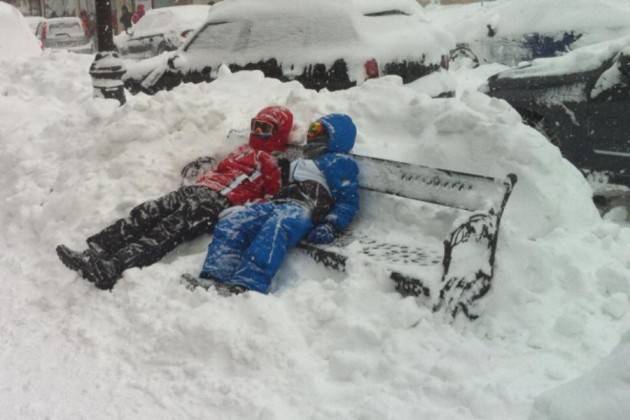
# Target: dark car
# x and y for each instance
(333, 47)
(580, 101)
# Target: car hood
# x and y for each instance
(581, 60)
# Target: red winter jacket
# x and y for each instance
(245, 175)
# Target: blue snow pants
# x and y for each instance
(250, 244)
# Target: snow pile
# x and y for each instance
(16, 39)
(34, 21)
(607, 388)
(324, 345)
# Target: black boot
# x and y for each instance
(72, 259)
(223, 289)
(93, 267)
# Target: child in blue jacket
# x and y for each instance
(319, 199)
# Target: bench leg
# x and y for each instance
(468, 266)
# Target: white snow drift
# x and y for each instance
(16, 39)
(324, 345)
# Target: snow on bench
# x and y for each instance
(468, 254)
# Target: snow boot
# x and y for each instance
(72, 259)
(223, 289)
(92, 266)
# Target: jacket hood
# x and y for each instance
(341, 131)
(282, 119)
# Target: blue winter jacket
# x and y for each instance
(340, 169)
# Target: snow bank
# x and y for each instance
(16, 39)
(606, 389)
(324, 345)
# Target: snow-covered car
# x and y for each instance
(580, 101)
(512, 31)
(323, 44)
(66, 33)
(160, 30)
(16, 38)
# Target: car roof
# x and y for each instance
(63, 20)
(253, 9)
(165, 19)
(190, 10)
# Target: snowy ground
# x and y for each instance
(324, 345)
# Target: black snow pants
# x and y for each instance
(156, 227)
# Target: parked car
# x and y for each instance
(16, 38)
(580, 101)
(512, 31)
(322, 44)
(161, 30)
(66, 33)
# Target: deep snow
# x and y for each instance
(323, 345)
(17, 38)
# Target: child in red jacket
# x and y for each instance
(156, 227)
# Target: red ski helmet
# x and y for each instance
(270, 129)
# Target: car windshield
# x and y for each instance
(152, 22)
(217, 36)
(275, 36)
(301, 32)
(69, 29)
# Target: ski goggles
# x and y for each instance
(316, 131)
(262, 128)
(316, 140)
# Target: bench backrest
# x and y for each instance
(459, 190)
(448, 188)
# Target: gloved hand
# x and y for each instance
(197, 167)
(322, 234)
